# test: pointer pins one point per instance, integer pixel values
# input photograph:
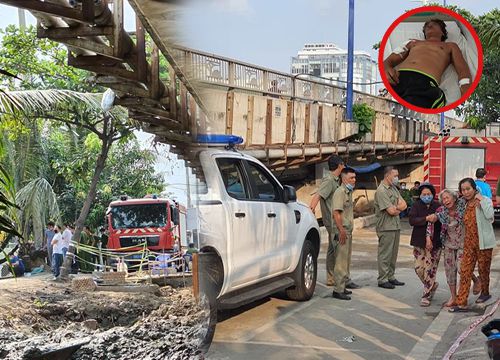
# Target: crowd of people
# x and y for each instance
(57, 241)
(456, 226)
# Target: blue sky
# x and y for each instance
(269, 32)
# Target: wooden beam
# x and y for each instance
(320, 125)
(125, 88)
(307, 125)
(229, 112)
(72, 32)
(90, 45)
(113, 71)
(154, 84)
(172, 91)
(119, 32)
(288, 134)
(48, 8)
(184, 108)
(91, 60)
(269, 122)
(88, 12)
(193, 116)
(142, 64)
(250, 112)
(196, 277)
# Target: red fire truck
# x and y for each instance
(448, 159)
(152, 220)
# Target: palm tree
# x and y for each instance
(82, 110)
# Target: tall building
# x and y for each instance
(330, 62)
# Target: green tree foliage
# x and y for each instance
(363, 114)
(61, 139)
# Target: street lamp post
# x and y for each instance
(441, 123)
(350, 61)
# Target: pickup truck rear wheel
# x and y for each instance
(211, 276)
(305, 274)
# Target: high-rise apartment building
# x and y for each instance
(328, 61)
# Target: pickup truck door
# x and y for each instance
(273, 218)
(245, 247)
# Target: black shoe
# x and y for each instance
(396, 282)
(347, 292)
(352, 285)
(387, 285)
(340, 296)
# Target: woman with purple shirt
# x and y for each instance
(427, 250)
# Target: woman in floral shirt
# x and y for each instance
(451, 217)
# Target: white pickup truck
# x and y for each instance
(255, 238)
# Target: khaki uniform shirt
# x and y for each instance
(342, 201)
(386, 196)
(326, 190)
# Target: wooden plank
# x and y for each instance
(88, 13)
(172, 91)
(193, 116)
(48, 8)
(269, 122)
(307, 125)
(320, 124)
(72, 32)
(250, 114)
(154, 84)
(142, 64)
(118, 33)
(229, 112)
(184, 108)
(92, 60)
(288, 134)
(113, 71)
(89, 45)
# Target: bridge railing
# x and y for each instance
(234, 74)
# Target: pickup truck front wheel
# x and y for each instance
(305, 274)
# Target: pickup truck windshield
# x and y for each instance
(139, 216)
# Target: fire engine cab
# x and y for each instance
(154, 221)
(450, 158)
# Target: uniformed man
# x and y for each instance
(343, 216)
(388, 206)
(324, 196)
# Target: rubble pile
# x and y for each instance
(168, 325)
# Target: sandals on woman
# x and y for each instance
(433, 290)
(458, 309)
(482, 299)
(425, 302)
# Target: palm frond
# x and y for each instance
(38, 203)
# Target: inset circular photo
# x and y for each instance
(431, 59)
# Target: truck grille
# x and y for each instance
(138, 240)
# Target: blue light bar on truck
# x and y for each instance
(219, 139)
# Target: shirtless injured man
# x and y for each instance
(420, 65)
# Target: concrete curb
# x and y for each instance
(364, 221)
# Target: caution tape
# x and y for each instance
(467, 332)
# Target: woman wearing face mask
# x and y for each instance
(427, 250)
(451, 217)
(478, 243)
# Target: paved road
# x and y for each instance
(376, 324)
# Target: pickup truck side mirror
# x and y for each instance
(289, 194)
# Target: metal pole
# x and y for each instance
(350, 61)
(441, 123)
(22, 19)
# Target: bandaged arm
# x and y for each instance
(461, 67)
(393, 60)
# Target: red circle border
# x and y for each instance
(476, 40)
